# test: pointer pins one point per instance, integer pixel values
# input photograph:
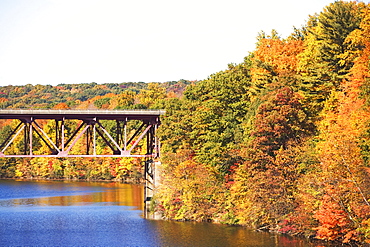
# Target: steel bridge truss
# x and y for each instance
(122, 143)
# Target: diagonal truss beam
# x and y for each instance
(120, 142)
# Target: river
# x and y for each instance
(65, 213)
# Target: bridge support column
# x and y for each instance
(152, 182)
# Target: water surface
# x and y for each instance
(60, 213)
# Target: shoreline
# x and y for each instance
(309, 239)
(126, 181)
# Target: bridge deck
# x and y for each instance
(81, 114)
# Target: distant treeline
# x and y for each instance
(47, 96)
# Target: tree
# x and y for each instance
(265, 183)
(275, 59)
(221, 103)
(325, 63)
(280, 120)
(335, 23)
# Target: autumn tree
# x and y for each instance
(280, 120)
(275, 59)
(152, 94)
(265, 183)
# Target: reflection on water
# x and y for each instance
(67, 193)
(63, 213)
(206, 234)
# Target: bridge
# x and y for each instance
(126, 133)
(89, 125)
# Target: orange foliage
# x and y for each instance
(342, 132)
(276, 57)
(334, 222)
(61, 106)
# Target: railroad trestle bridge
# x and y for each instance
(122, 139)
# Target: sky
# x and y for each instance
(114, 41)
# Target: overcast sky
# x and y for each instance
(114, 41)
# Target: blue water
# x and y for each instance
(73, 226)
(45, 213)
(70, 214)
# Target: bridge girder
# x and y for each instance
(90, 128)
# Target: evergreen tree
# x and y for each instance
(335, 23)
(324, 64)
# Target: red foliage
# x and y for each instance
(287, 226)
(334, 222)
(279, 120)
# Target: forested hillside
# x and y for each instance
(280, 142)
